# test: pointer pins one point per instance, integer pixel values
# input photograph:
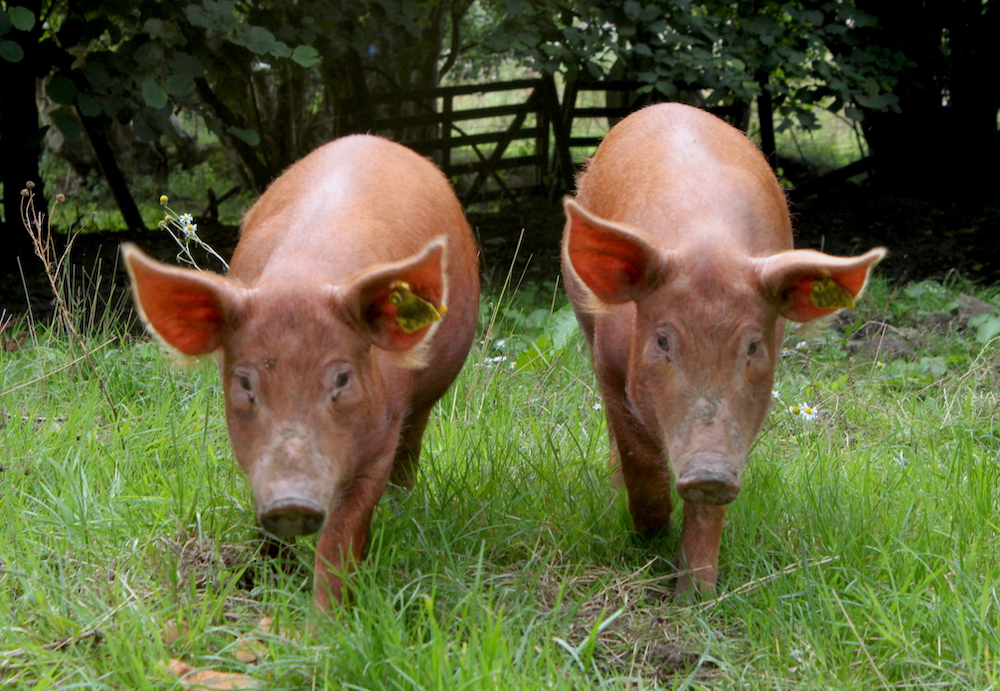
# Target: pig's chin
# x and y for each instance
(707, 477)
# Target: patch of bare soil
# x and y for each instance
(882, 340)
(926, 240)
(626, 624)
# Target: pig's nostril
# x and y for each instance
(709, 478)
(290, 518)
(708, 487)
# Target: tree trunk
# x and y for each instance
(97, 133)
(20, 148)
(18, 132)
(258, 175)
(765, 115)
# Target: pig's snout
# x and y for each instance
(291, 516)
(709, 478)
(292, 485)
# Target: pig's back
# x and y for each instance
(679, 177)
(356, 202)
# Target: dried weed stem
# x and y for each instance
(40, 229)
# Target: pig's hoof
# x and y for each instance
(288, 518)
(690, 591)
(685, 598)
(650, 526)
(712, 487)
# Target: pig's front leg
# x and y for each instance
(698, 550)
(345, 534)
(644, 470)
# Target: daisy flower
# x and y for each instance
(187, 224)
(803, 411)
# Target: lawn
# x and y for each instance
(862, 552)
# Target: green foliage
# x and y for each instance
(90, 206)
(272, 81)
(713, 53)
(14, 17)
(21, 18)
(986, 326)
(918, 300)
(269, 79)
(535, 335)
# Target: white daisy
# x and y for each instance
(803, 411)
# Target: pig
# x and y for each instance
(348, 310)
(677, 257)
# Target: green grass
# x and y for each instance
(861, 554)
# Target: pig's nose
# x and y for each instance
(290, 517)
(709, 478)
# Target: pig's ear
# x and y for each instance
(401, 304)
(616, 263)
(806, 284)
(184, 307)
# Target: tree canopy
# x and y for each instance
(273, 79)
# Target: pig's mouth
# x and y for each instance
(286, 518)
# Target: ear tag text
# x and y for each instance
(827, 294)
(412, 311)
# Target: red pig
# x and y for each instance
(348, 311)
(678, 259)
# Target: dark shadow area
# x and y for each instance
(926, 240)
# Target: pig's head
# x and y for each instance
(310, 370)
(707, 331)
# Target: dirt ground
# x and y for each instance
(925, 240)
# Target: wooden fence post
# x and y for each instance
(562, 161)
(447, 108)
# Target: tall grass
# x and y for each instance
(862, 552)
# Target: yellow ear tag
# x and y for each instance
(827, 294)
(412, 311)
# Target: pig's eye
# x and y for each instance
(340, 382)
(246, 385)
(663, 343)
(752, 348)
